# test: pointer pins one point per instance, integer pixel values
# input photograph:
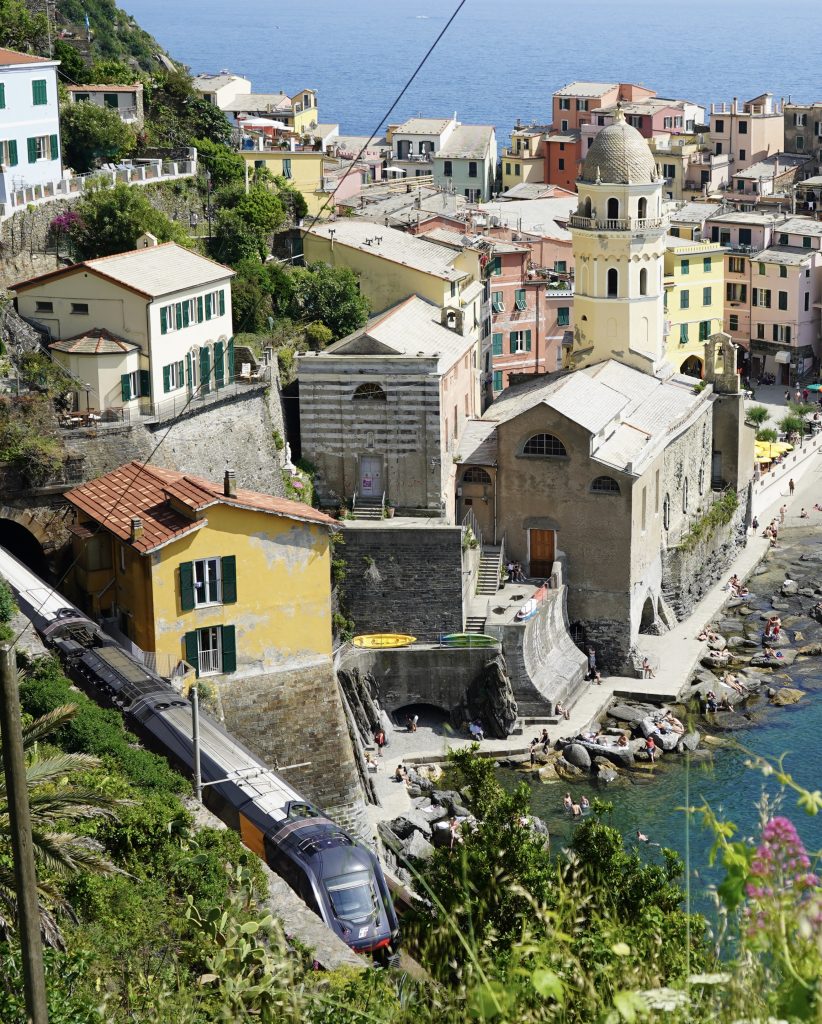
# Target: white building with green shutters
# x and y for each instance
(29, 122)
(141, 331)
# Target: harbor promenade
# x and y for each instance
(674, 655)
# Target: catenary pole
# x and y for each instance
(195, 742)
(25, 876)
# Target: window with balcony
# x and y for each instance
(782, 300)
(520, 299)
(212, 650)
(613, 208)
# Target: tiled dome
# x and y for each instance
(619, 156)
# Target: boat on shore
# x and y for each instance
(468, 640)
(381, 641)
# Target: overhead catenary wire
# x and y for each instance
(386, 115)
(176, 419)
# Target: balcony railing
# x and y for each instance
(211, 663)
(614, 224)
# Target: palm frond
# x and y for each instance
(47, 724)
(49, 928)
(66, 804)
(65, 853)
(42, 771)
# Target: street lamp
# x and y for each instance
(87, 389)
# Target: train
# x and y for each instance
(334, 874)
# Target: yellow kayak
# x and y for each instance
(383, 640)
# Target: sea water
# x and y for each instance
(498, 61)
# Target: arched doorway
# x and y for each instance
(648, 615)
(613, 208)
(692, 367)
(22, 543)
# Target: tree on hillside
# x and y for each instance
(320, 293)
(176, 114)
(20, 29)
(251, 296)
(112, 218)
(224, 165)
(109, 71)
(73, 67)
(93, 135)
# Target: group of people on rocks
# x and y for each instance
(737, 587)
(542, 741)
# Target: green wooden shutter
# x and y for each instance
(205, 372)
(222, 302)
(166, 379)
(186, 312)
(180, 366)
(208, 306)
(528, 341)
(125, 387)
(512, 341)
(163, 320)
(186, 586)
(54, 145)
(199, 309)
(229, 649)
(229, 572)
(188, 370)
(145, 383)
(2, 96)
(219, 367)
(12, 150)
(32, 148)
(496, 345)
(178, 315)
(192, 651)
(38, 93)
(229, 360)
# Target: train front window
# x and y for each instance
(352, 896)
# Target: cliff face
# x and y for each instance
(114, 33)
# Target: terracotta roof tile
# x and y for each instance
(148, 492)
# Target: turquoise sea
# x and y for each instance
(498, 61)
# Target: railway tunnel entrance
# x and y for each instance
(23, 544)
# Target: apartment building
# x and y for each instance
(747, 132)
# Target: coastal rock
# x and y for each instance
(602, 764)
(717, 645)
(644, 757)
(786, 695)
(667, 740)
(688, 741)
(411, 821)
(548, 773)
(415, 779)
(418, 848)
(735, 642)
(623, 757)
(537, 825)
(578, 756)
(787, 658)
(490, 697)
(811, 649)
(789, 588)
(446, 798)
(807, 591)
(565, 770)
(715, 659)
(627, 713)
(729, 721)
(606, 776)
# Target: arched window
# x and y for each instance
(370, 392)
(605, 485)
(475, 475)
(586, 207)
(544, 445)
(666, 511)
(642, 208)
(613, 282)
(613, 209)
(643, 282)
(685, 495)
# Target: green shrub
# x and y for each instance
(757, 414)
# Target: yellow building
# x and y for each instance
(303, 170)
(524, 161)
(229, 580)
(694, 300)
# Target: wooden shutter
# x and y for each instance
(38, 92)
(166, 379)
(32, 148)
(145, 383)
(219, 369)
(54, 146)
(208, 306)
(186, 586)
(205, 372)
(228, 636)
(163, 320)
(186, 312)
(199, 309)
(496, 345)
(2, 96)
(188, 371)
(125, 387)
(512, 341)
(229, 360)
(528, 341)
(229, 576)
(180, 366)
(178, 315)
(222, 301)
(12, 150)
(192, 651)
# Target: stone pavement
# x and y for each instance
(673, 655)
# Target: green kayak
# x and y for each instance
(469, 640)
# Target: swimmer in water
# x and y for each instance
(567, 802)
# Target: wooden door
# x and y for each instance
(541, 550)
(370, 477)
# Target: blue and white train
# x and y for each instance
(336, 876)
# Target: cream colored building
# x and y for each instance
(167, 310)
(618, 235)
(221, 89)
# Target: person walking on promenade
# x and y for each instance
(782, 512)
(791, 486)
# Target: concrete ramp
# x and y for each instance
(544, 663)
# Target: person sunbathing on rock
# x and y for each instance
(622, 741)
(708, 634)
(729, 679)
(769, 652)
(560, 709)
(674, 723)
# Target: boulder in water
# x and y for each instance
(606, 776)
(717, 645)
(811, 649)
(565, 770)
(578, 756)
(627, 713)
(786, 695)
(789, 588)
(688, 741)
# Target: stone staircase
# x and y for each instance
(488, 574)
(367, 509)
(475, 624)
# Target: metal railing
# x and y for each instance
(469, 522)
(211, 662)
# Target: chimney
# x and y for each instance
(229, 484)
(136, 528)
